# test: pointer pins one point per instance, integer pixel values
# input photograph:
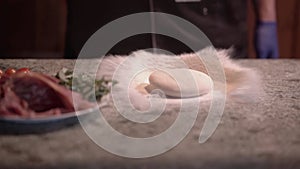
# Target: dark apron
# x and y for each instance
(222, 21)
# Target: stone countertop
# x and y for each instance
(258, 135)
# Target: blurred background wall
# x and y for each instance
(32, 28)
(42, 29)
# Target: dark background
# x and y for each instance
(59, 28)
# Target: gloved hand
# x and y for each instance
(266, 42)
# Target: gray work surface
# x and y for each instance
(265, 134)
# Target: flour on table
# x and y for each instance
(132, 74)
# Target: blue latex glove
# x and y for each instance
(266, 42)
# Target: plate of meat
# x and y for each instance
(32, 102)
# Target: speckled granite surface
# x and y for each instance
(259, 135)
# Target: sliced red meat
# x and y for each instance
(34, 94)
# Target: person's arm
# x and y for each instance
(266, 41)
(266, 10)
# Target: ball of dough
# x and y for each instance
(180, 82)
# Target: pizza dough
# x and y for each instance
(180, 82)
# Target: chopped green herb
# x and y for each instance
(85, 85)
